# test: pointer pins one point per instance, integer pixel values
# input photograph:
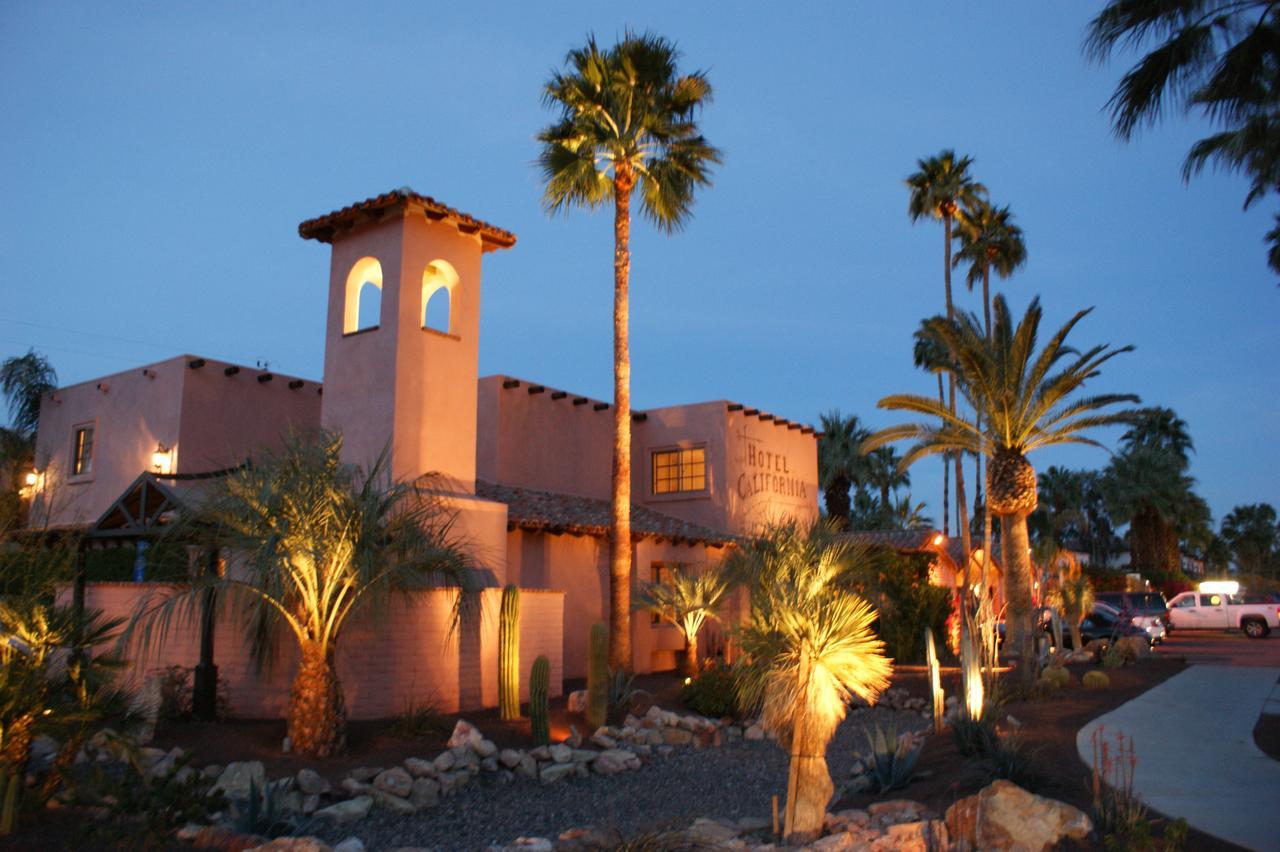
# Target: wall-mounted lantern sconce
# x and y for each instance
(162, 459)
(31, 483)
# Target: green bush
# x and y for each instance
(145, 811)
(713, 693)
(899, 586)
(1095, 680)
(974, 737)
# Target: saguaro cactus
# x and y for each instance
(9, 784)
(935, 681)
(509, 654)
(539, 679)
(598, 676)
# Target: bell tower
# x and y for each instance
(401, 342)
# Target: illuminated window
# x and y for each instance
(438, 282)
(363, 299)
(82, 451)
(675, 471)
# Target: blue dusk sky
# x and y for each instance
(157, 159)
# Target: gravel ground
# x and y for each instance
(731, 781)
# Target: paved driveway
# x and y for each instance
(1193, 735)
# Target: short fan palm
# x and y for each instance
(809, 648)
(687, 600)
(1024, 401)
(312, 541)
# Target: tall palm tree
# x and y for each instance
(687, 600)
(1217, 56)
(23, 380)
(1251, 533)
(627, 121)
(809, 647)
(928, 356)
(840, 465)
(939, 188)
(886, 474)
(1025, 402)
(318, 541)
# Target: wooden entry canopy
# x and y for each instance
(152, 502)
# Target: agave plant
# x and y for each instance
(893, 756)
(809, 648)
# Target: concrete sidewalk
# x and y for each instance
(1196, 757)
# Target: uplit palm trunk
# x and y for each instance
(691, 653)
(961, 506)
(1017, 580)
(809, 786)
(620, 529)
(986, 497)
(317, 720)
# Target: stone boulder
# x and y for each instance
(312, 783)
(347, 811)
(1003, 816)
(420, 768)
(395, 781)
(293, 844)
(509, 758)
(465, 734)
(577, 701)
(238, 777)
(921, 836)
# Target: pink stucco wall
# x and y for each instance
(405, 655)
(206, 418)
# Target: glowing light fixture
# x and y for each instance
(32, 478)
(161, 459)
(939, 539)
(1220, 587)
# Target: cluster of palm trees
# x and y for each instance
(873, 478)
(24, 379)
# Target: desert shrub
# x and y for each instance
(974, 737)
(262, 814)
(622, 694)
(1117, 655)
(893, 756)
(420, 720)
(1057, 675)
(907, 603)
(142, 810)
(1095, 680)
(1013, 760)
(1175, 835)
(712, 693)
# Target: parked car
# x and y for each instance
(1138, 605)
(1220, 611)
(1105, 622)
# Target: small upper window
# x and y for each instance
(82, 451)
(679, 470)
(362, 307)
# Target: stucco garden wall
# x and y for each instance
(403, 655)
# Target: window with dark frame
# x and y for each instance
(679, 470)
(82, 451)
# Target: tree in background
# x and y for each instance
(1251, 534)
(939, 187)
(927, 356)
(319, 540)
(687, 600)
(840, 464)
(1219, 57)
(809, 648)
(1026, 400)
(24, 379)
(627, 122)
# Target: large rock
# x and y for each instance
(395, 781)
(238, 777)
(293, 844)
(366, 773)
(1004, 816)
(553, 772)
(450, 781)
(710, 832)
(676, 736)
(485, 748)
(509, 758)
(465, 734)
(528, 767)
(420, 768)
(425, 793)
(561, 753)
(921, 836)
(577, 701)
(444, 761)
(395, 804)
(312, 783)
(347, 811)
(351, 844)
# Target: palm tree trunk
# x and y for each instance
(946, 476)
(1017, 583)
(986, 492)
(691, 655)
(809, 786)
(837, 498)
(620, 528)
(317, 720)
(963, 517)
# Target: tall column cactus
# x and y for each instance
(598, 676)
(509, 654)
(539, 680)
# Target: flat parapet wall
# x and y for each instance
(406, 654)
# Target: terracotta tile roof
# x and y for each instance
(553, 512)
(325, 228)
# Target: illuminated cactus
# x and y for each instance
(509, 654)
(9, 784)
(935, 681)
(598, 677)
(539, 679)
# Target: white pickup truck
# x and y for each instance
(1219, 611)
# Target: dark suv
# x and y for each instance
(1139, 603)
